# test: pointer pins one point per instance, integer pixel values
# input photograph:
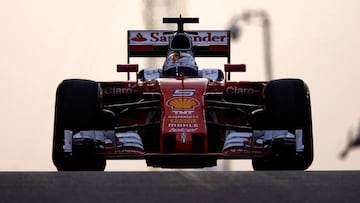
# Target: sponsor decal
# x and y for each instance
(129, 90)
(201, 37)
(185, 130)
(182, 103)
(241, 90)
(208, 37)
(139, 38)
(210, 71)
(182, 117)
(183, 120)
(177, 112)
(151, 72)
(183, 125)
(157, 37)
(182, 107)
(211, 74)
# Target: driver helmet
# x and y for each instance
(178, 63)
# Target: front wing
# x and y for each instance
(128, 145)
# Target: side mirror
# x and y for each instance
(234, 68)
(127, 68)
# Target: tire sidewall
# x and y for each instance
(77, 108)
(287, 107)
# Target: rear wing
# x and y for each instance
(154, 43)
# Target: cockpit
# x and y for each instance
(180, 63)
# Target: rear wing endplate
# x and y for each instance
(154, 43)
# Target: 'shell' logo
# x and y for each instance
(139, 38)
(183, 103)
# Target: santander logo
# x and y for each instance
(139, 38)
(156, 37)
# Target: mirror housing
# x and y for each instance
(128, 68)
(233, 68)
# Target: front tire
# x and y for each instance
(77, 108)
(287, 107)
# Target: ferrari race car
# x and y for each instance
(180, 116)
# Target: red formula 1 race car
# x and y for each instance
(180, 116)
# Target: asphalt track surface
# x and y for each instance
(180, 186)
